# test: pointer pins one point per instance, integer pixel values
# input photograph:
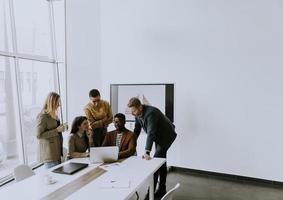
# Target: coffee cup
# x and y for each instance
(47, 179)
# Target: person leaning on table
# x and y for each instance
(49, 132)
(160, 130)
(80, 139)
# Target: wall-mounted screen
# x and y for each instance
(157, 95)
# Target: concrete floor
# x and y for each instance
(201, 187)
(204, 187)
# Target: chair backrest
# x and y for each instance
(22, 172)
(170, 193)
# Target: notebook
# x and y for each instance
(70, 168)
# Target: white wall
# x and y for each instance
(83, 53)
(225, 58)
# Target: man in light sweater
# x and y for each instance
(99, 115)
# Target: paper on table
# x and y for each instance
(110, 166)
(115, 182)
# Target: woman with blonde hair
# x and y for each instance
(49, 131)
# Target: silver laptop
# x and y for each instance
(103, 154)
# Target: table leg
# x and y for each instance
(151, 188)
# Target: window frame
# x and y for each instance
(15, 57)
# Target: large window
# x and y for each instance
(32, 54)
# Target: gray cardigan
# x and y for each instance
(158, 127)
(50, 141)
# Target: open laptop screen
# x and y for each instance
(104, 154)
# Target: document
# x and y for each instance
(115, 182)
(110, 166)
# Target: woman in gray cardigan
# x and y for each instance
(49, 132)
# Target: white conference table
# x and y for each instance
(135, 169)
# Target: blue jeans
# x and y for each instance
(51, 164)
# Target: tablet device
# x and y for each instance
(70, 168)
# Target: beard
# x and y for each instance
(120, 129)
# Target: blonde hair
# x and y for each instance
(50, 105)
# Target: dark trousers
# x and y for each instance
(160, 152)
(98, 136)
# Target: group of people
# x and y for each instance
(91, 131)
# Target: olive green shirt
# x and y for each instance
(50, 141)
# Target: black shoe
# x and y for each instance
(159, 193)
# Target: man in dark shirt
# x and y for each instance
(159, 129)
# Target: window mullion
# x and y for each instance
(54, 52)
(29, 57)
(17, 74)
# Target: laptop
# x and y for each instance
(103, 154)
(70, 168)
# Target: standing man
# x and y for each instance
(99, 115)
(160, 130)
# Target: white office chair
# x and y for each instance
(22, 172)
(170, 193)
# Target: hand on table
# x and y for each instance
(146, 156)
